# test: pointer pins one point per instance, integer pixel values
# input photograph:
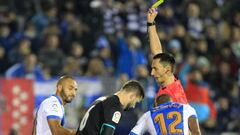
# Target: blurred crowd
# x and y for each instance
(43, 39)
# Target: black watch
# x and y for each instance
(150, 24)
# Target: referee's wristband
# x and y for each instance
(150, 24)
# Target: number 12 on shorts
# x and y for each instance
(171, 129)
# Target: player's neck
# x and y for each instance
(60, 98)
(168, 81)
(121, 97)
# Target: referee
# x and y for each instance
(163, 64)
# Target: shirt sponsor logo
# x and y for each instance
(116, 117)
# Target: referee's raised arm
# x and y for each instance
(155, 44)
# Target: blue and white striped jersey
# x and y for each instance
(167, 119)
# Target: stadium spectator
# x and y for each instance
(103, 51)
(197, 92)
(112, 20)
(50, 55)
(179, 34)
(4, 63)
(95, 68)
(174, 47)
(43, 18)
(77, 52)
(18, 53)
(166, 19)
(71, 67)
(226, 115)
(28, 68)
(130, 55)
(194, 22)
(5, 37)
(201, 48)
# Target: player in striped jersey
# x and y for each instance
(168, 118)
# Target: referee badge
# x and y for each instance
(116, 117)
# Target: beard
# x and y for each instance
(66, 98)
(128, 107)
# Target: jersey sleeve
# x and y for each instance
(53, 110)
(112, 114)
(141, 127)
(190, 111)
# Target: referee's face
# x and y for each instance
(69, 90)
(158, 71)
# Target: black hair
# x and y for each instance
(166, 59)
(134, 85)
(162, 99)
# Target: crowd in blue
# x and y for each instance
(43, 39)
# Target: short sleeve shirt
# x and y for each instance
(50, 108)
(175, 91)
(105, 111)
(165, 117)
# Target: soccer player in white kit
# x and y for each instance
(49, 118)
(168, 118)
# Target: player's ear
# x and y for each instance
(168, 69)
(59, 87)
(131, 95)
(155, 103)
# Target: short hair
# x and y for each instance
(134, 85)
(166, 58)
(63, 78)
(162, 99)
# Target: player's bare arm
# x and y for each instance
(34, 127)
(194, 126)
(57, 129)
(155, 44)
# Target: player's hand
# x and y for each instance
(152, 13)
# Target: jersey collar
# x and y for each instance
(60, 101)
(161, 105)
(171, 85)
(166, 103)
(118, 100)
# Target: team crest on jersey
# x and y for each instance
(116, 117)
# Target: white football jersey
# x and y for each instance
(50, 108)
(168, 118)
